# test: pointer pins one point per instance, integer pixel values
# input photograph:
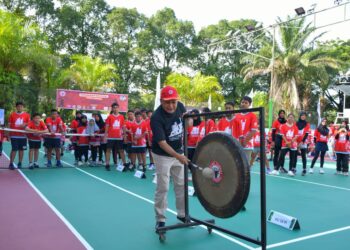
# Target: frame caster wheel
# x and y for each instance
(162, 237)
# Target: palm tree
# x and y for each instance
(197, 89)
(89, 74)
(296, 63)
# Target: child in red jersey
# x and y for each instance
(149, 140)
(248, 126)
(53, 141)
(83, 142)
(341, 148)
(289, 132)
(94, 140)
(321, 137)
(18, 120)
(139, 133)
(193, 132)
(38, 127)
(115, 129)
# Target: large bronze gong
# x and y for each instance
(225, 193)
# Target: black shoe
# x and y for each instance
(11, 166)
(31, 167)
(108, 168)
(303, 173)
(182, 219)
(36, 165)
(160, 224)
(19, 165)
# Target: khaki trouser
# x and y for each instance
(166, 167)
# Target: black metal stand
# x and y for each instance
(210, 224)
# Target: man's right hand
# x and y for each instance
(183, 159)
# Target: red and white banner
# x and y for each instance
(82, 100)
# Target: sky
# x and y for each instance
(205, 12)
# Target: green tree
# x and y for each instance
(89, 74)
(80, 26)
(166, 45)
(121, 47)
(196, 90)
(296, 65)
(24, 56)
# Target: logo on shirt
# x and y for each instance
(116, 124)
(176, 131)
(19, 122)
(243, 122)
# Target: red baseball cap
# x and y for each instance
(169, 93)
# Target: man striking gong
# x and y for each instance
(167, 150)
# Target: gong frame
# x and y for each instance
(210, 224)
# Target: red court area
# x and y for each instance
(26, 221)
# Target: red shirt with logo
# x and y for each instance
(129, 125)
(193, 135)
(17, 120)
(41, 126)
(54, 126)
(139, 130)
(248, 122)
(149, 130)
(302, 133)
(82, 140)
(276, 126)
(206, 128)
(115, 126)
(289, 133)
(342, 143)
(74, 125)
(320, 137)
(231, 127)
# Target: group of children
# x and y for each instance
(101, 138)
(286, 136)
(133, 135)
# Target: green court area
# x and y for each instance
(114, 210)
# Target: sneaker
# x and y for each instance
(346, 173)
(321, 171)
(338, 173)
(49, 164)
(59, 164)
(80, 163)
(283, 170)
(182, 219)
(11, 166)
(294, 170)
(290, 173)
(151, 166)
(108, 168)
(311, 171)
(268, 171)
(275, 172)
(303, 173)
(131, 167)
(19, 165)
(31, 166)
(36, 165)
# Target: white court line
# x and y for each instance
(308, 182)
(307, 237)
(54, 209)
(152, 202)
